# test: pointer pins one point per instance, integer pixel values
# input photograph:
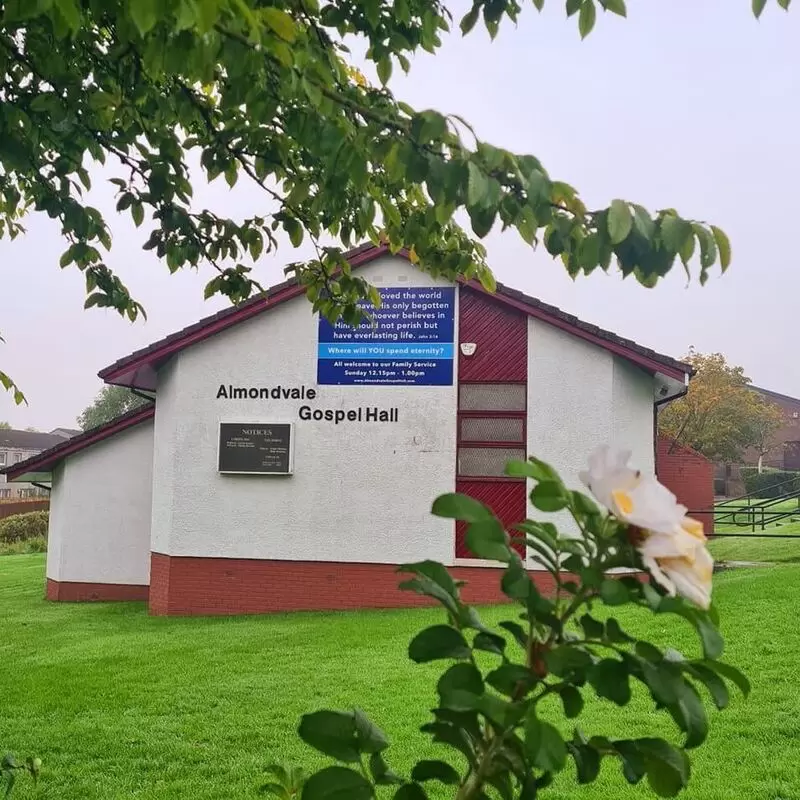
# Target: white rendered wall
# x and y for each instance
(360, 492)
(100, 509)
(632, 409)
(579, 397)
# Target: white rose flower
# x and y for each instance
(672, 545)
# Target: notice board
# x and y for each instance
(410, 340)
(255, 448)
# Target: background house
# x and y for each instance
(16, 446)
(783, 454)
(785, 450)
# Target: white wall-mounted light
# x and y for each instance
(468, 348)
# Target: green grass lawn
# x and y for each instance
(122, 705)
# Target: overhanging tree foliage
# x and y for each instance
(111, 402)
(262, 90)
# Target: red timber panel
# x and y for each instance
(506, 498)
(501, 336)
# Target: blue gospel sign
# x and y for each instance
(408, 341)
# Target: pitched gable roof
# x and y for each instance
(138, 370)
(27, 440)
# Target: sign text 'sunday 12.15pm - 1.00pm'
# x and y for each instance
(408, 340)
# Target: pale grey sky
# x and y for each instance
(689, 104)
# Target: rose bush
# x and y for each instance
(495, 716)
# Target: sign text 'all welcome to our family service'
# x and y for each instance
(408, 341)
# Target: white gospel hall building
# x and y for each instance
(288, 464)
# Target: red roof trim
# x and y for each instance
(47, 459)
(126, 370)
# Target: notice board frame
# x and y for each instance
(282, 423)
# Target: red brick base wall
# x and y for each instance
(689, 476)
(185, 586)
(69, 592)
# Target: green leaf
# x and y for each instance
(593, 628)
(337, 783)
(516, 630)
(508, 679)
(667, 767)
(615, 633)
(477, 185)
(723, 245)
(371, 739)
(717, 687)
(615, 7)
(487, 539)
(280, 22)
(332, 733)
(586, 18)
(544, 745)
(436, 642)
(381, 774)
(460, 507)
(609, 678)
(549, 496)
(431, 770)
(614, 592)
(410, 791)
(384, 69)
(566, 659)
(675, 232)
(435, 572)
(459, 686)
(572, 700)
(690, 715)
(731, 673)
(532, 468)
(71, 13)
(663, 680)
(708, 246)
(137, 212)
(573, 6)
(469, 19)
(489, 643)
(587, 762)
(687, 250)
(620, 221)
(710, 637)
(144, 14)
(758, 7)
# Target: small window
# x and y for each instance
(492, 397)
(16, 458)
(492, 429)
(795, 414)
(487, 462)
(2, 459)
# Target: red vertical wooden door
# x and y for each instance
(492, 408)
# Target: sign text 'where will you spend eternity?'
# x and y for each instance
(410, 340)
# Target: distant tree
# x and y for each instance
(720, 416)
(4, 426)
(110, 402)
(764, 425)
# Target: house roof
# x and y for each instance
(46, 460)
(65, 431)
(28, 440)
(138, 370)
(776, 395)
